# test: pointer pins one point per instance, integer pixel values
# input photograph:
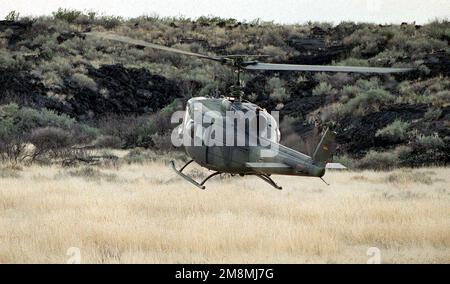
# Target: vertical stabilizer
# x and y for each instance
(325, 149)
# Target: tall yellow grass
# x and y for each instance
(147, 214)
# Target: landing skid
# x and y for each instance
(201, 185)
(269, 180)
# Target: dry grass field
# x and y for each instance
(147, 214)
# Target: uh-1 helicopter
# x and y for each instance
(265, 156)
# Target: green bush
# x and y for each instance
(323, 89)
(432, 114)
(353, 62)
(108, 141)
(140, 156)
(429, 141)
(12, 16)
(45, 129)
(110, 22)
(351, 91)
(438, 29)
(49, 142)
(7, 60)
(84, 81)
(424, 150)
(133, 131)
(396, 131)
(367, 102)
(366, 85)
(68, 15)
(345, 160)
(378, 160)
(441, 98)
(276, 53)
(277, 89)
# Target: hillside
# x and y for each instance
(381, 121)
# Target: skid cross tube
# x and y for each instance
(201, 185)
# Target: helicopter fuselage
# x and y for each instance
(266, 156)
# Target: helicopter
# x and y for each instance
(254, 147)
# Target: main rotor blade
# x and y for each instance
(132, 41)
(323, 68)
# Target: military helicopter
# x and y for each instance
(265, 156)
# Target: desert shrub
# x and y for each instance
(425, 150)
(438, 29)
(143, 156)
(83, 133)
(428, 141)
(49, 142)
(441, 98)
(108, 141)
(348, 92)
(279, 94)
(140, 156)
(133, 131)
(272, 36)
(162, 141)
(366, 42)
(432, 114)
(52, 79)
(277, 89)
(366, 85)
(423, 45)
(145, 130)
(208, 20)
(53, 71)
(434, 91)
(28, 118)
(387, 58)
(396, 131)
(84, 81)
(12, 16)
(210, 89)
(378, 160)
(67, 15)
(366, 102)
(20, 126)
(6, 60)
(339, 80)
(345, 160)
(323, 89)
(353, 62)
(406, 88)
(434, 85)
(276, 53)
(109, 22)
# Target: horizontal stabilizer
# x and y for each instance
(335, 166)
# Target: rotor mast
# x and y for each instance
(236, 89)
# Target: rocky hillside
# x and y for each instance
(404, 119)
